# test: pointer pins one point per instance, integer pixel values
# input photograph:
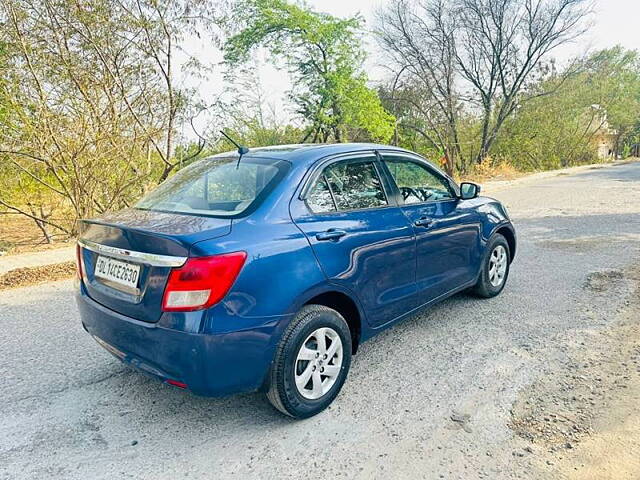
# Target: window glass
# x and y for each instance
(350, 185)
(355, 185)
(215, 186)
(231, 184)
(417, 183)
(319, 198)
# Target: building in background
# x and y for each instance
(605, 137)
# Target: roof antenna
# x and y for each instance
(241, 150)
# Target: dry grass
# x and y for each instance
(492, 171)
(21, 277)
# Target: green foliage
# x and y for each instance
(612, 77)
(631, 142)
(363, 113)
(324, 55)
(559, 130)
(559, 119)
(255, 135)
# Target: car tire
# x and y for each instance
(495, 268)
(299, 382)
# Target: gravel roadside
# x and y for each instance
(581, 417)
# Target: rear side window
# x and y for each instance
(216, 187)
(347, 186)
(320, 198)
(417, 183)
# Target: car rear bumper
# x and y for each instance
(209, 364)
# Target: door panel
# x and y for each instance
(375, 259)
(446, 248)
(369, 251)
(447, 233)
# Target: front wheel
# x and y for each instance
(495, 268)
(311, 362)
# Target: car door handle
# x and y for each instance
(424, 222)
(331, 234)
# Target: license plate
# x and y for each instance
(118, 274)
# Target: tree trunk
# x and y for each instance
(484, 141)
(337, 134)
(42, 226)
(449, 162)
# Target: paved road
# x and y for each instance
(69, 410)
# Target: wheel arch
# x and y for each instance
(345, 306)
(510, 236)
(339, 299)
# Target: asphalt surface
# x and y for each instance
(429, 398)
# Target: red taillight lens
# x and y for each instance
(79, 262)
(201, 282)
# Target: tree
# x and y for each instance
(419, 45)
(613, 75)
(95, 105)
(4, 93)
(156, 30)
(249, 116)
(559, 130)
(478, 54)
(324, 55)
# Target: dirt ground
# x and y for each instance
(19, 234)
(581, 417)
(21, 277)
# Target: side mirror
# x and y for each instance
(469, 190)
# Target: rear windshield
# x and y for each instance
(216, 186)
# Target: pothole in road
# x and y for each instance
(603, 280)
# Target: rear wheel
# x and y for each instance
(311, 362)
(495, 268)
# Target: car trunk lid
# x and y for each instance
(128, 256)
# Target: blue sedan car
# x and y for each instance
(266, 272)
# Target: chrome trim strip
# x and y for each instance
(131, 255)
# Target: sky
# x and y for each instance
(614, 22)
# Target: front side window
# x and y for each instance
(215, 186)
(417, 183)
(347, 186)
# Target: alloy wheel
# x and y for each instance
(498, 263)
(318, 363)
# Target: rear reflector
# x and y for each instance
(201, 282)
(79, 262)
(176, 383)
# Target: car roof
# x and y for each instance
(305, 152)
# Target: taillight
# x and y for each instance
(176, 383)
(201, 282)
(79, 262)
